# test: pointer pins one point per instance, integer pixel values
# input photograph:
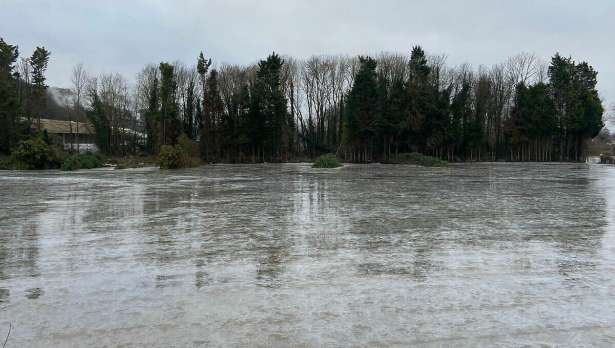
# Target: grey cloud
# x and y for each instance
(122, 36)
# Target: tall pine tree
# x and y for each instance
(39, 62)
(361, 111)
(11, 128)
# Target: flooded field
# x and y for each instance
(290, 256)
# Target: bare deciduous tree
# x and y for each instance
(79, 79)
(522, 68)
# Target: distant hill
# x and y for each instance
(59, 104)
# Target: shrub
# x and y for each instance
(35, 153)
(187, 146)
(188, 151)
(326, 161)
(86, 160)
(170, 157)
(418, 159)
(5, 163)
(182, 155)
(71, 163)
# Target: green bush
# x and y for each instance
(188, 150)
(35, 153)
(170, 157)
(326, 161)
(71, 163)
(187, 146)
(182, 155)
(418, 159)
(5, 163)
(86, 160)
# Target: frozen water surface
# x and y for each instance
(286, 255)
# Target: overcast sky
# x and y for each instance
(124, 35)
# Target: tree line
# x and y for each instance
(363, 109)
(22, 93)
(520, 111)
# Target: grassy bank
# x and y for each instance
(128, 162)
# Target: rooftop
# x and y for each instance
(64, 127)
